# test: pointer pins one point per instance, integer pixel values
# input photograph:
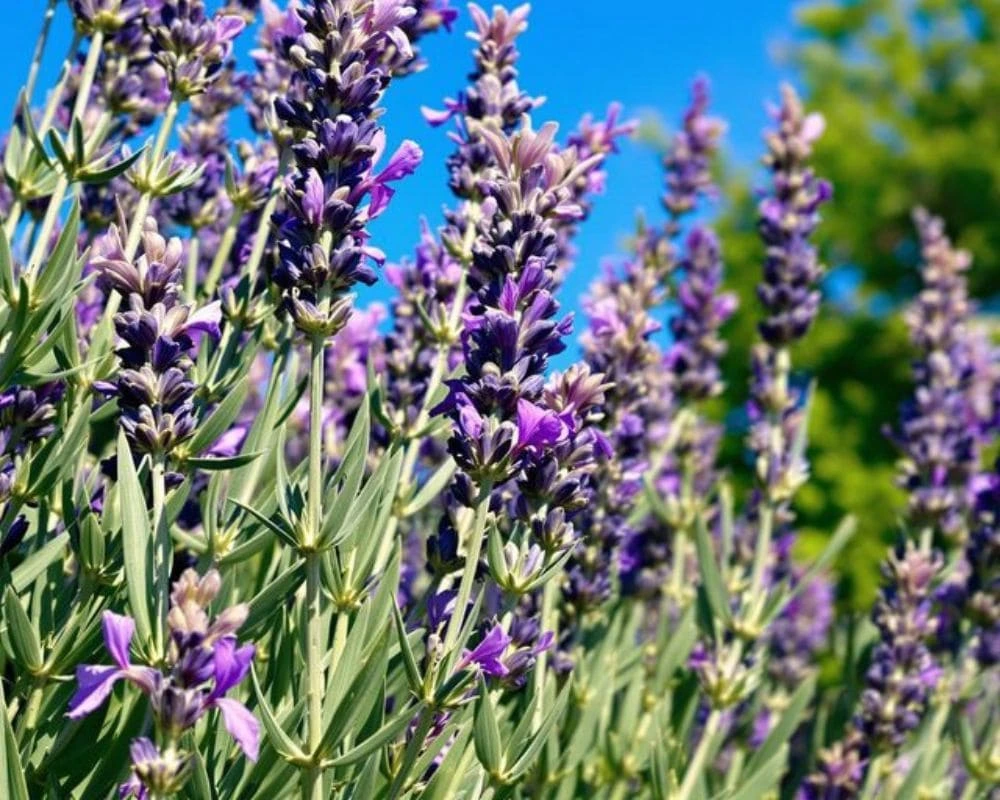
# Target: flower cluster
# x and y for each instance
(27, 415)
(158, 333)
(787, 217)
(938, 432)
(204, 663)
(903, 674)
(322, 237)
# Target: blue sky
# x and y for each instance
(579, 54)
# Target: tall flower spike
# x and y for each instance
(203, 664)
(689, 158)
(433, 286)
(788, 215)
(158, 334)
(898, 685)
(939, 436)
(333, 113)
(787, 218)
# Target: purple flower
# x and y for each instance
(231, 664)
(939, 437)
(402, 163)
(322, 232)
(537, 427)
(689, 159)
(94, 683)
(487, 655)
(159, 335)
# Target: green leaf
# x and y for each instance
(280, 740)
(764, 780)
(409, 661)
(24, 574)
(356, 703)
(220, 419)
(784, 728)
(382, 736)
(23, 636)
(96, 177)
(434, 485)
(137, 547)
(270, 599)
(711, 578)
(486, 733)
(57, 276)
(12, 780)
(213, 464)
(841, 536)
(527, 758)
(276, 525)
(7, 282)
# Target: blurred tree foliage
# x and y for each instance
(911, 93)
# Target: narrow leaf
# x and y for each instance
(137, 549)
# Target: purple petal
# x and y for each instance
(380, 197)
(118, 632)
(536, 426)
(228, 27)
(205, 321)
(241, 724)
(230, 664)
(94, 685)
(402, 163)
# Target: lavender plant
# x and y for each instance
(258, 542)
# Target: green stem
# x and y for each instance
(191, 269)
(50, 109)
(62, 183)
(314, 497)
(697, 764)
(423, 417)
(549, 622)
(36, 59)
(222, 253)
(473, 547)
(312, 777)
(162, 561)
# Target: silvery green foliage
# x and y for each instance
(255, 546)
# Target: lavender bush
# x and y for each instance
(259, 542)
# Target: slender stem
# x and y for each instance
(423, 416)
(762, 551)
(314, 497)
(162, 561)
(62, 183)
(191, 269)
(51, 105)
(473, 547)
(697, 763)
(55, 97)
(549, 622)
(312, 777)
(36, 59)
(222, 253)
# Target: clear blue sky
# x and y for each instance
(580, 54)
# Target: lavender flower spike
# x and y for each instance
(332, 111)
(938, 437)
(788, 217)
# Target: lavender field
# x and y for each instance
(262, 537)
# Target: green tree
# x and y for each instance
(911, 94)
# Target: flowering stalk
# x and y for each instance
(791, 299)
